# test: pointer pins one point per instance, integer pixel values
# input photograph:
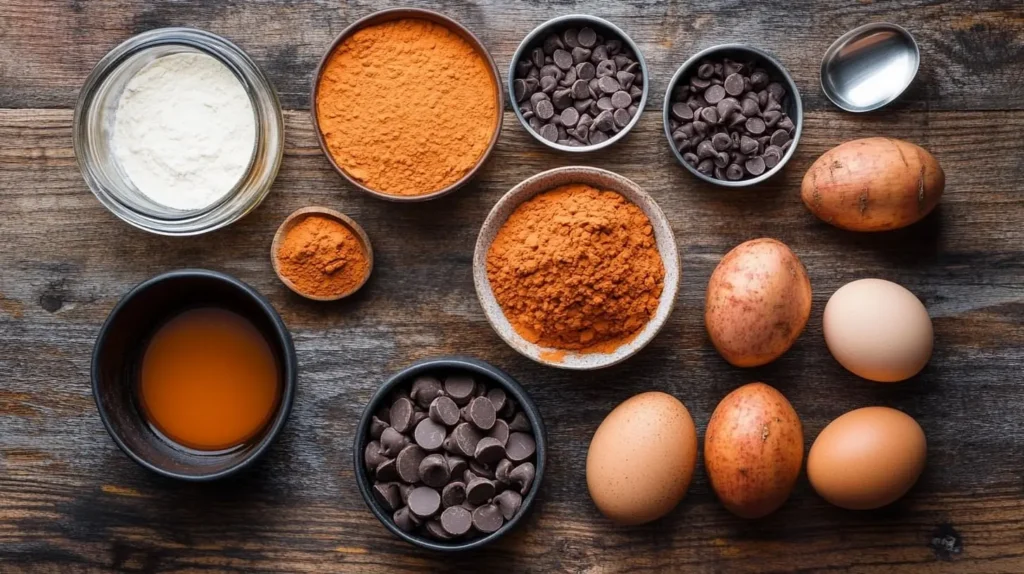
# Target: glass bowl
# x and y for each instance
(94, 120)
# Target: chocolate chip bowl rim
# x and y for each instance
(478, 368)
(537, 35)
(796, 111)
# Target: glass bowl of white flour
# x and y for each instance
(178, 132)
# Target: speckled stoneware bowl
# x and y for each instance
(601, 179)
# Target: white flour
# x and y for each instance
(184, 130)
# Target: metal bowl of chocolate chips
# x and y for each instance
(578, 83)
(450, 453)
(733, 115)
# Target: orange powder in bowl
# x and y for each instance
(406, 107)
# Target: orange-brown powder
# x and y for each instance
(577, 268)
(407, 107)
(322, 257)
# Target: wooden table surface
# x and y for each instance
(71, 501)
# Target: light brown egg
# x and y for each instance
(867, 458)
(641, 459)
(878, 330)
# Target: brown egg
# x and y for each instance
(878, 330)
(754, 450)
(641, 458)
(867, 458)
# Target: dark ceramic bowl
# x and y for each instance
(119, 350)
(482, 371)
(740, 53)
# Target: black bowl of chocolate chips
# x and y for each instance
(733, 115)
(450, 453)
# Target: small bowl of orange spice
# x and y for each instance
(577, 268)
(321, 254)
(407, 104)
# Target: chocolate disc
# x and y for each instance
(456, 520)
(488, 518)
(424, 502)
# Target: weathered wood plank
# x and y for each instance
(72, 501)
(970, 51)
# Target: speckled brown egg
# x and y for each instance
(641, 458)
(867, 458)
(753, 450)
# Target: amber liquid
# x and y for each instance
(209, 380)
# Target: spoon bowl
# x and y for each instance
(869, 67)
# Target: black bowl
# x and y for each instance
(119, 349)
(476, 368)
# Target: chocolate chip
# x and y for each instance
(429, 434)
(727, 107)
(719, 172)
(502, 470)
(386, 471)
(721, 141)
(569, 118)
(747, 145)
(520, 446)
(597, 137)
(434, 471)
(714, 94)
(691, 158)
(508, 502)
(460, 387)
(706, 166)
(549, 132)
(479, 490)
(552, 43)
(547, 84)
(533, 74)
(520, 423)
(466, 436)
(586, 71)
(599, 54)
(373, 455)
(552, 71)
(621, 100)
(779, 137)
(401, 415)
(759, 79)
(443, 410)
(434, 528)
(787, 145)
(523, 476)
(721, 160)
(488, 518)
(682, 112)
(772, 117)
(787, 124)
(489, 450)
(570, 37)
(734, 172)
(481, 409)
(625, 79)
(562, 99)
(706, 149)
(755, 165)
(404, 520)
(733, 84)
(762, 98)
(635, 93)
(755, 126)
(453, 494)
(709, 115)
(377, 427)
(392, 442)
(456, 520)
(481, 469)
(699, 84)
(705, 71)
(424, 502)
(523, 68)
(388, 495)
(581, 133)
(408, 463)
(606, 68)
(776, 91)
(587, 37)
(608, 85)
(749, 107)
(562, 59)
(537, 57)
(426, 389)
(621, 117)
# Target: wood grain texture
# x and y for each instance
(70, 501)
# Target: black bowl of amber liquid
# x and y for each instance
(133, 366)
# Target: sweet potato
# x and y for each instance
(758, 302)
(753, 450)
(873, 184)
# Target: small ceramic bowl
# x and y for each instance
(118, 354)
(399, 14)
(601, 179)
(294, 219)
(602, 26)
(740, 53)
(440, 366)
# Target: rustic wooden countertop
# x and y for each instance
(71, 501)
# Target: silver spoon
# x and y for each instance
(869, 66)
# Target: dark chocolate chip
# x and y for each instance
(748, 145)
(488, 518)
(759, 79)
(625, 79)
(479, 490)
(466, 436)
(388, 495)
(604, 121)
(392, 442)
(749, 107)
(727, 107)
(537, 57)
(580, 91)
(570, 37)
(705, 71)
(691, 158)
(551, 70)
(779, 137)
(552, 43)
(722, 160)
(721, 141)
(755, 165)
(456, 464)
(434, 471)
(776, 91)
(714, 94)
(608, 85)
(373, 455)
(733, 84)
(621, 100)
(621, 118)
(787, 124)
(408, 463)
(523, 68)
(706, 166)
(699, 84)
(719, 172)
(614, 46)
(401, 415)
(586, 71)
(424, 502)
(386, 471)
(709, 115)
(426, 389)
(523, 476)
(772, 117)
(755, 126)
(606, 68)
(734, 172)
(404, 520)
(562, 99)
(456, 520)
(632, 110)
(481, 409)
(434, 528)
(502, 469)
(569, 118)
(417, 417)
(443, 410)
(481, 469)
(547, 84)
(569, 79)
(460, 387)
(533, 74)
(453, 494)
(587, 37)
(599, 54)
(597, 137)
(562, 59)
(706, 149)
(377, 427)
(682, 112)
(762, 98)
(489, 450)
(509, 503)
(520, 446)
(549, 132)
(519, 423)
